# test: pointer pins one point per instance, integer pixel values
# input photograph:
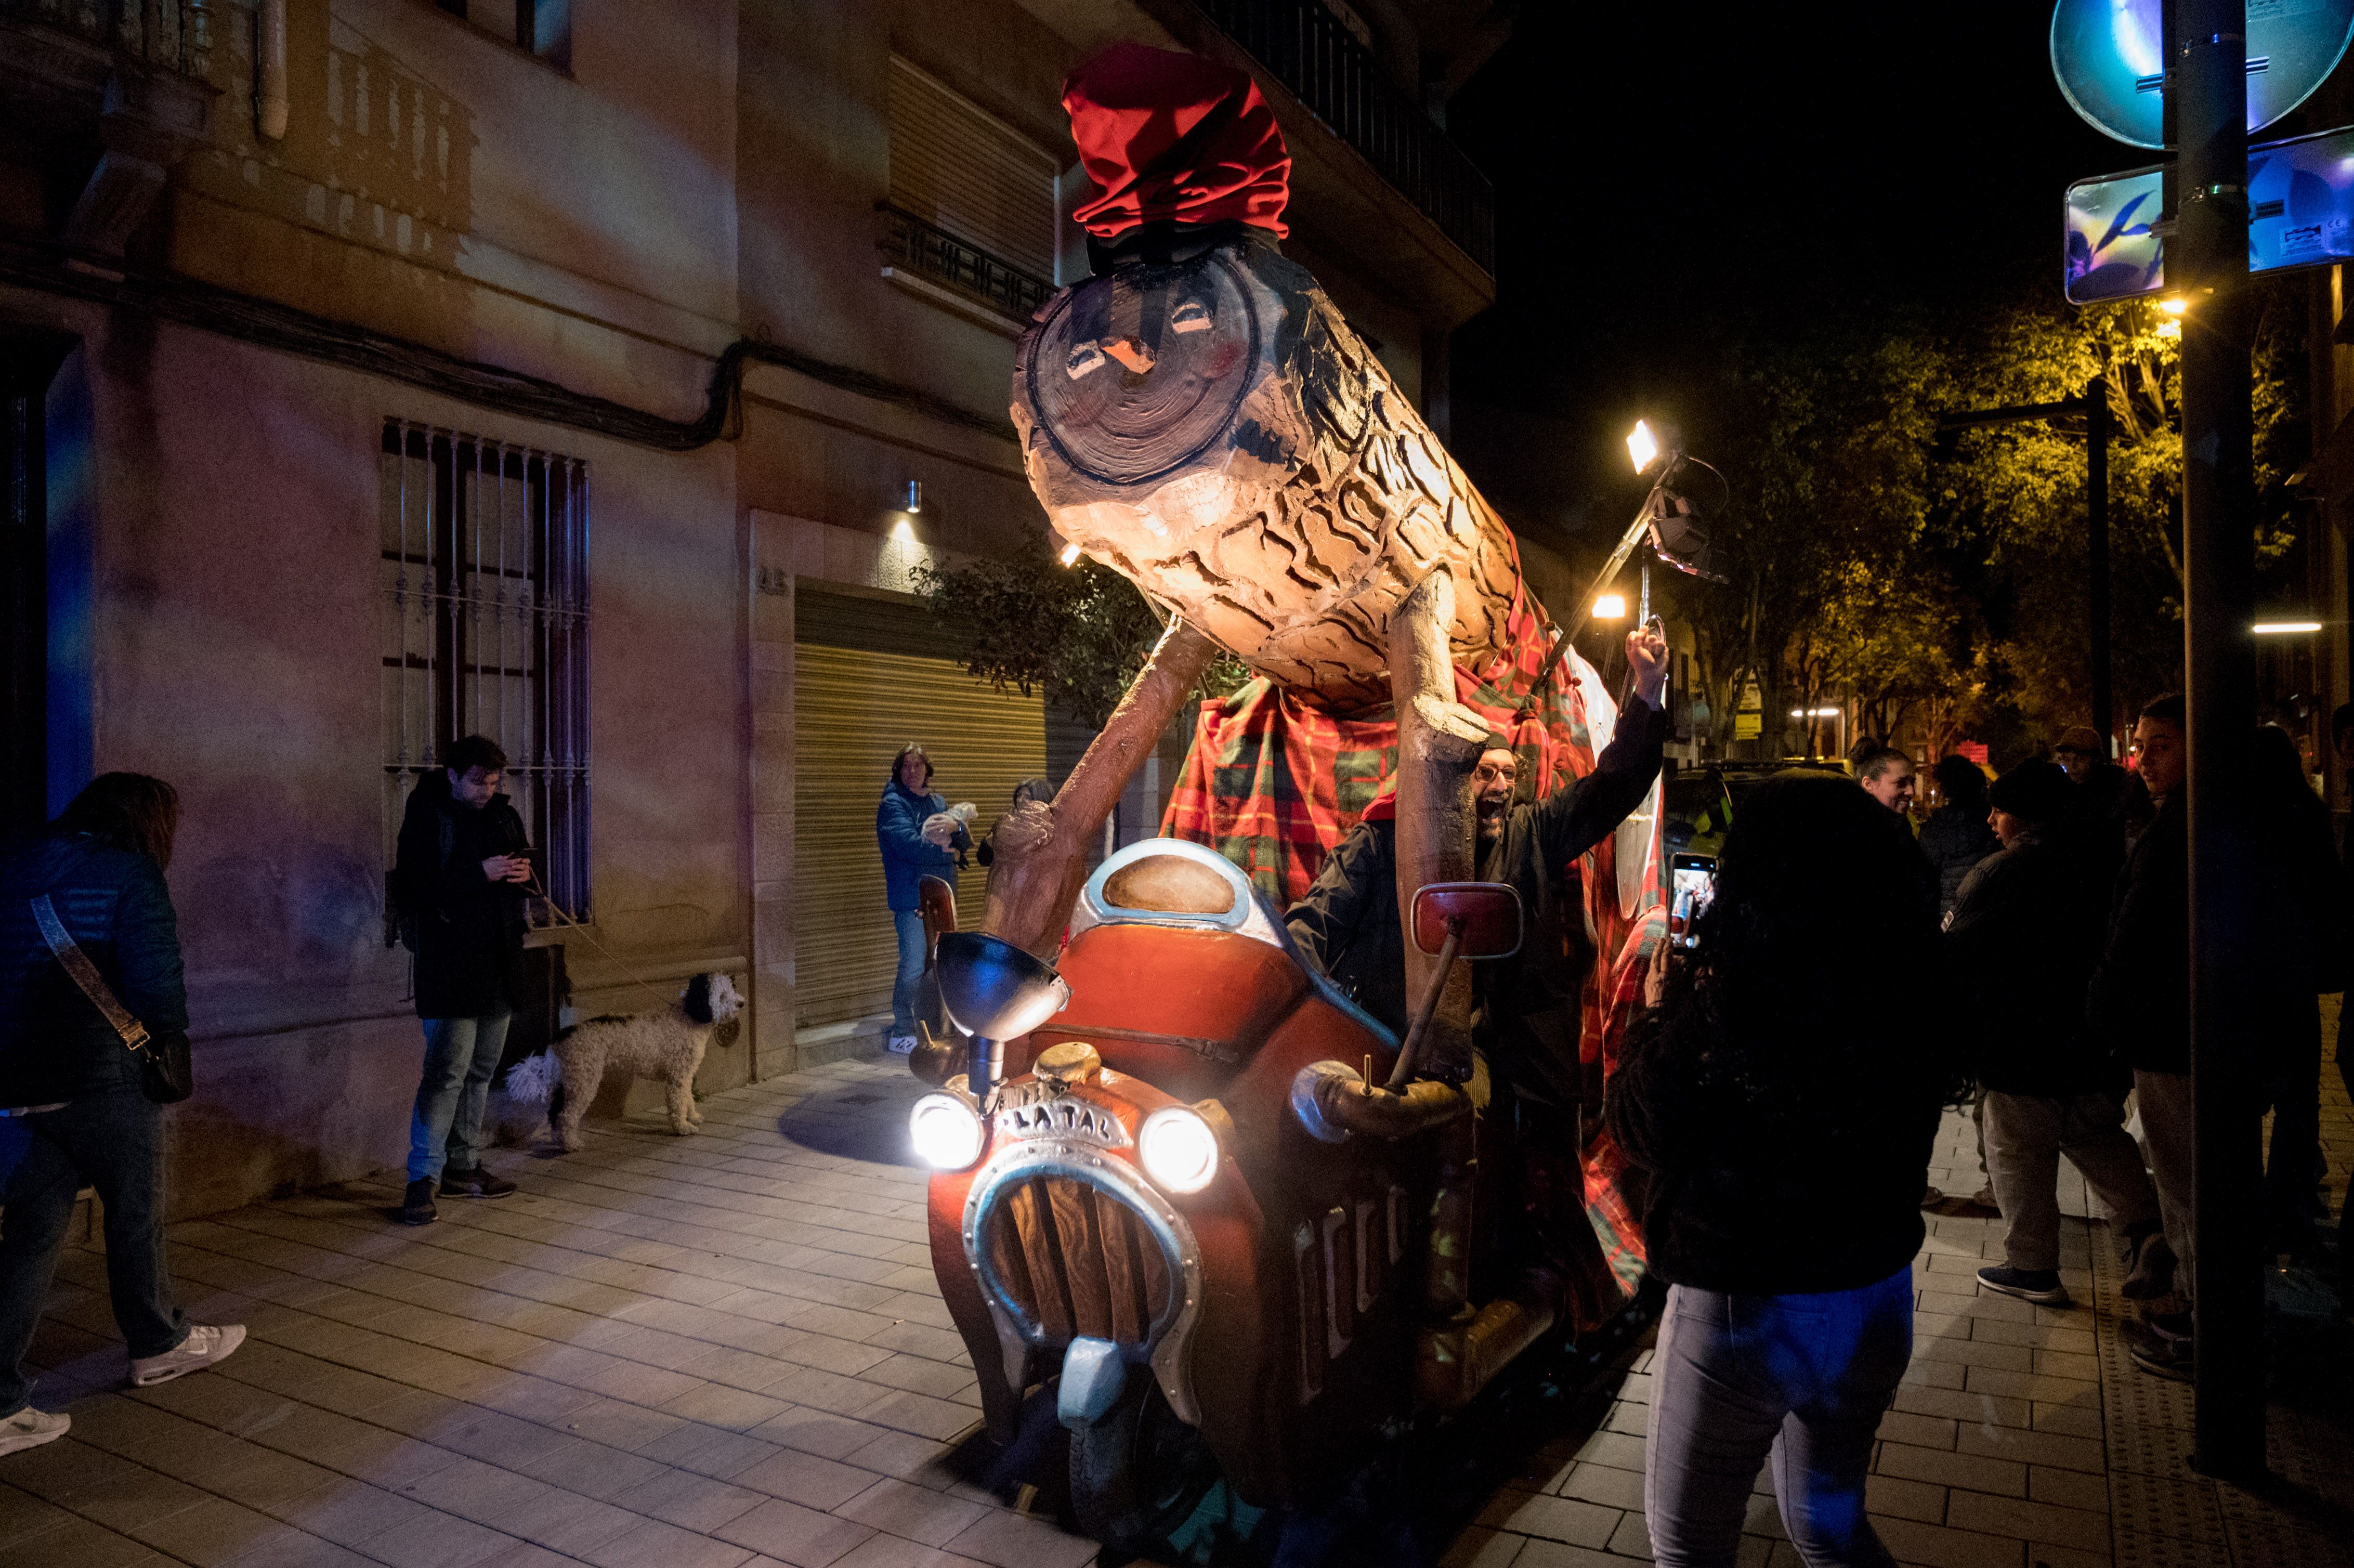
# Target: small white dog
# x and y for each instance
(668, 1045)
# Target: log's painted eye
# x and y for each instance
(1086, 357)
(1191, 316)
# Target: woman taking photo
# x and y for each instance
(76, 1109)
(1782, 1105)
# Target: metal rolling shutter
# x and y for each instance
(869, 677)
(955, 164)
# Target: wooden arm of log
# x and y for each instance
(1439, 742)
(1041, 850)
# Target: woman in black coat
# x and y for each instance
(1782, 1110)
(72, 1111)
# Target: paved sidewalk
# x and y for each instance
(727, 1351)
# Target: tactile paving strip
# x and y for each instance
(2140, 1548)
(2178, 1504)
(2261, 1535)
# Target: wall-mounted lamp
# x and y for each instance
(1610, 607)
(915, 495)
(2283, 628)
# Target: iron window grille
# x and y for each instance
(909, 241)
(486, 582)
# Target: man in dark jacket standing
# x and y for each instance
(2026, 932)
(1348, 922)
(2139, 1007)
(462, 859)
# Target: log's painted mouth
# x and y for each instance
(1136, 374)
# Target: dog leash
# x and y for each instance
(534, 888)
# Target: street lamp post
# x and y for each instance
(2207, 259)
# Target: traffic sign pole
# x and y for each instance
(2206, 55)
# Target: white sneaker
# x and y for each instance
(902, 1043)
(30, 1428)
(204, 1345)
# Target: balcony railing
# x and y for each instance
(933, 252)
(176, 35)
(1306, 47)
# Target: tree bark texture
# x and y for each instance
(1041, 849)
(1438, 746)
(1214, 432)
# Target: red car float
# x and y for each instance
(1168, 1178)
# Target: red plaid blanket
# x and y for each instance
(1274, 780)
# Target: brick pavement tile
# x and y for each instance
(2070, 1420)
(536, 1399)
(1556, 1519)
(889, 1551)
(1011, 1541)
(654, 1541)
(2062, 1363)
(1563, 1554)
(806, 1479)
(708, 1450)
(1977, 1353)
(292, 1549)
(1634, 1420)
(80, 1543)
(1990, 1305)
(2031, 1385)
(1605, 1485)
(715, 1406)
(917, 1340)
(592, 1469)
(2053, 1449)
(928, 1417)
(350, 1512)
(817, 1432)
(1920, 1431)
(2038, 1336)
(905, 1455)
(616, 1425)
(745, 1370)
(99, 1486)
(919, 1374)
(688, 1500)
(526, 1554)
(436, 1540)
(803, 1537)
(1481, 1547)
(1983, 1408)
(1946, 1468)
(2029, 1521)
(1632, 1538)
(213, 1532)
(915, 1513)
(2071, 1489)
(1938, 1546)
(1899, 1499)
(1924, 1374)
(567, 1523)
(389, 1458)
(472, 1489)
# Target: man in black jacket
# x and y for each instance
(2026, 932)
(458, 879)
(1349, 926)
(2139, 1007)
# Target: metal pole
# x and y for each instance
(2097, 556)
(2207, 259)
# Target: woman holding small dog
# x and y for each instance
(914, 842)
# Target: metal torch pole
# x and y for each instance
(2207, 259)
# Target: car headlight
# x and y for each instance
(946, 1131)
(1177, 1148)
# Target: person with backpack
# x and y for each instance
(87, 934)
(457, 880)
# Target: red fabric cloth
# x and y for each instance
(1174, 136)
(1274, 780)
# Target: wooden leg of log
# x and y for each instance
(1439, 742)
(1041, 860)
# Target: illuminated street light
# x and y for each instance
(1610, 607)
(1816, 713)
(1642, 446)
(2282, 628)
(2174, 304)
(1070, 555)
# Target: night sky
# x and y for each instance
(1666, 172)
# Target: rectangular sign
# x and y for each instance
(2301, 214)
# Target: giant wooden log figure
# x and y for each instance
(1292, 1262)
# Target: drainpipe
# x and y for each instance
(269, 69)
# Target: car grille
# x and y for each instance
(1074, 1260)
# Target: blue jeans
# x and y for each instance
(910, 924)
(460, 1056)
(1802, 1380)
(113, 1143)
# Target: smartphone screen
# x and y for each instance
(1689, 895)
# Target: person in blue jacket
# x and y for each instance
(907, 803)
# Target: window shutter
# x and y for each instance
(956, 166)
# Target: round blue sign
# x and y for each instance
(2110, 58)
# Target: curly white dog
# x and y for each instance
(668, 1045)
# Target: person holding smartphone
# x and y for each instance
(464, 862)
